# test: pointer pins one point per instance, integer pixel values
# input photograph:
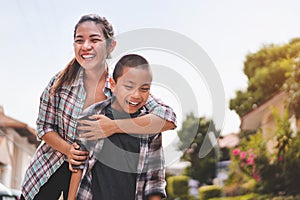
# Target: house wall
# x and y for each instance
(20, 153)
(268, 124)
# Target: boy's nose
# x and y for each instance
(136, 93)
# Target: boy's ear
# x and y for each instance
(112, 84)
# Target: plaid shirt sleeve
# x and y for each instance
(157, 107)
(155, 182)
(46, 121)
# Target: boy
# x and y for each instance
(123, 166)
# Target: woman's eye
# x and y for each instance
(78, 41)
(96, 40)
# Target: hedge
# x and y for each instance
(209, 191)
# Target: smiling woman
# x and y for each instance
(83, 82)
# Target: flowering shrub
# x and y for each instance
(274, 172)
(246, 161)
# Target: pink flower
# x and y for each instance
(250, 160)
(243, 155)
(256, 177)
(236, 152)
(280, 158)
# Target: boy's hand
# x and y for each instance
(98, 127)
(154, 197)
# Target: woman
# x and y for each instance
(84, 81)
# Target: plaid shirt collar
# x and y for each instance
(79, 81)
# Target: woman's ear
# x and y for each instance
(111, 48)
(112, 84)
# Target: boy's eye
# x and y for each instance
(128, 87)
(145, 89)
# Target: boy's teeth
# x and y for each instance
(133, 103)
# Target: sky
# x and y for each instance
(37, 37)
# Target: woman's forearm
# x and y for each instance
(105, 127)
(56, 142)
(74, 154)
(146, 124)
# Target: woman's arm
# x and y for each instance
(75, 157)
(105, 127)
(161, 118)
(146, 124)
(47, 129)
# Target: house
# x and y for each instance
(17, 145)
(262, 118)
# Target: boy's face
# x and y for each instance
(131, 89)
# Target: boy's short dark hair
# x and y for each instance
(130, 60)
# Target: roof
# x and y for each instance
(21, 128)
(229, 141)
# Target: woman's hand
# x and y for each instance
(76, 156)
(99, 126)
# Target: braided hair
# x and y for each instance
(107, 27)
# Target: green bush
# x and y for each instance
(209, 191)
(178, 186)
(286, 198)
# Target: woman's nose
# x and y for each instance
(87, 45)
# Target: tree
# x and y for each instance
(292, 88)
(191, 137)
(267, 70)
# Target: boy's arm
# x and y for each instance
(155, 197)
(76, 177)
(155, 182)
(74, 184)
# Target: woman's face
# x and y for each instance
(90, 46)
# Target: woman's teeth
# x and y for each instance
(88, 56)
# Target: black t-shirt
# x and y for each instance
(114, 174)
